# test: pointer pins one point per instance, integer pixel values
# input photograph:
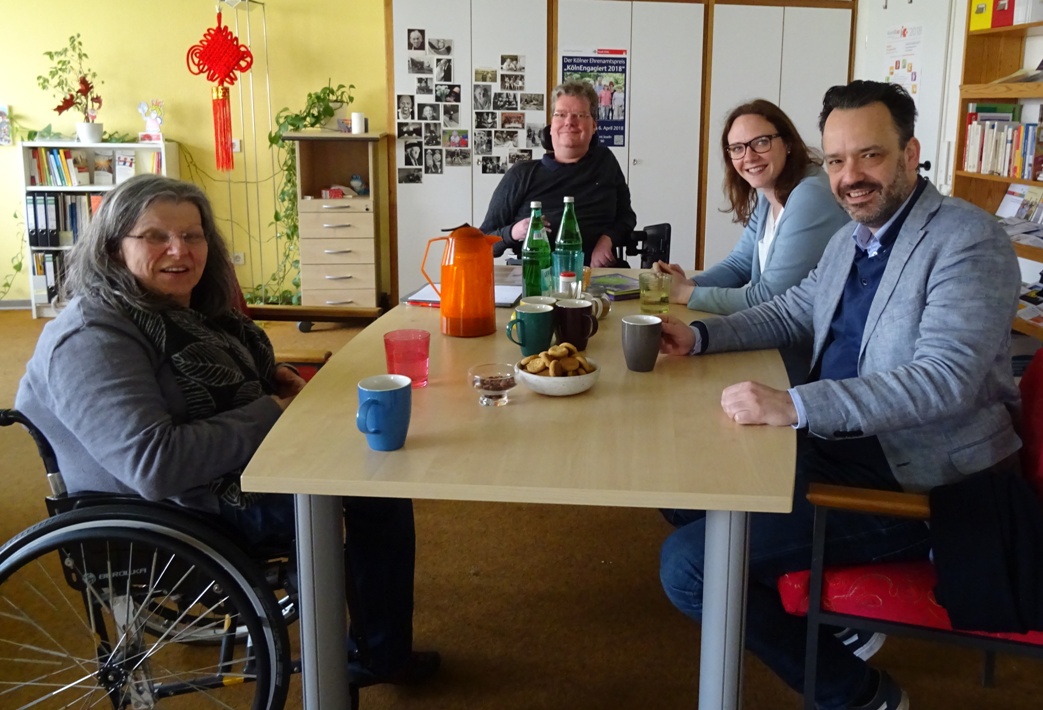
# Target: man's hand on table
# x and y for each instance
(754, 403)
(521, 229)
(676, 337)
(603, 254)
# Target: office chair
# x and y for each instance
(652, 243)
(898, 597)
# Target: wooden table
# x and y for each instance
(651, 440)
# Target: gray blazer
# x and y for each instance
(934, 378)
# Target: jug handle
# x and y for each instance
(424, 261)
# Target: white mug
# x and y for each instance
(358, 122)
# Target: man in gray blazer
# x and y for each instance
(909, 314)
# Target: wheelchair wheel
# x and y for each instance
(79, 595)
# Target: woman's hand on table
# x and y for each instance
(754, 403)
(676, 337)
(681, 287)
(287, 382)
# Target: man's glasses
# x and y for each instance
(562, 115)
(163, 239)
(760, 144)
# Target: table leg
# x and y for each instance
(724, 611)
(323, 615)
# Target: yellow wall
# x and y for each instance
(138, 49)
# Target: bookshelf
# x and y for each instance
(57, 209)
(990, 54)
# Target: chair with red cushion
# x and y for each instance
(898, 598)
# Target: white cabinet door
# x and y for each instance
(815, 45)
(587, 25)
(500, 27)
(747, 64)
(664, 103)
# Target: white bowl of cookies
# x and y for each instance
(558, 371)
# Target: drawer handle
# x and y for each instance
(338, 278)
(338, 303)
(337, 251)
(336, 207)
(335, 226)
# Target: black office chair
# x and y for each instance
(652, 243)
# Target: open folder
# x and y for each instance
(506, 296)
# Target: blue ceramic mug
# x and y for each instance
(385, 403)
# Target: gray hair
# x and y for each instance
(578, 88)
(96, 267)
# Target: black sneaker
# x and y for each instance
(863, 644)
(889, 696)
(420, 667)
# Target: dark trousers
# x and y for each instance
(781, 543)
(379, 554)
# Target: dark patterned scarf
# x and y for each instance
(220, 363)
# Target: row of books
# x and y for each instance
(57, 220)
(1003, 13)
(74, 167)
(48, 274)
(998, 143)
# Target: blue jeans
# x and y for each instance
(781, 543)
(379, 554)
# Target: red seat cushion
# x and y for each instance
(894, 591)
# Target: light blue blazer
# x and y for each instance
(934, 377)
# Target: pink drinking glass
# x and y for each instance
(407, 353)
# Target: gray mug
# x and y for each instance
(641, 341)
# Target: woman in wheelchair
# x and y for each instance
(780, 194)
(150, 382)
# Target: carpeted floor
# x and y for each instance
(553, 607)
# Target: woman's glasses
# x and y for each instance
(163, 239)
(760, 144)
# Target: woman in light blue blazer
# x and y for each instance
(780, 194)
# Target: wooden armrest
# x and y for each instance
(868, 500)
(304, 357)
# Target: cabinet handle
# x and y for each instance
(335, 226)
(338, 278)
(336, 207)
(337, 251)
(339, 303)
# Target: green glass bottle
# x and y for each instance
(536, 256)
(568, 250)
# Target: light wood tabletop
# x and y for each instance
(656, 439)
(652, 439)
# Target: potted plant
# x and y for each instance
(73, 83)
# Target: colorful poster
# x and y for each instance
(902, 53)
(606, 70)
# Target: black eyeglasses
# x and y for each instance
(760, 144)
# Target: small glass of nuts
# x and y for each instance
(493, 381)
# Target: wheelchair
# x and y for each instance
(116, 601)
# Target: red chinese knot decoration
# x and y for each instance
(220, 55)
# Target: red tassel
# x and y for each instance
(222, 128)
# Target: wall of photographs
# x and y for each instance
(470, 101)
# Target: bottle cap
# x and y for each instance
(568, 198)
(569, 274)
(535, 204)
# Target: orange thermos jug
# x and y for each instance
(467, 292)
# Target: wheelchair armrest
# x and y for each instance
(868, 500)
(304, 357)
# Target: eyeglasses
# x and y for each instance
(760, 144)
(562, 115)
(163, 239)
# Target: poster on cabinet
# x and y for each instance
(902, 54)
(606, 70)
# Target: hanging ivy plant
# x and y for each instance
(17, 261)
(319, 108)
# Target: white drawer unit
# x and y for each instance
(346, 251)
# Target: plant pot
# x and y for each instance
(89, 132)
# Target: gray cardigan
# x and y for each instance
(934, 380)
(811, 217)
(111, 409)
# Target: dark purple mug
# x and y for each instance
(574, 321)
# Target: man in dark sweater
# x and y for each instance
(576, 166)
